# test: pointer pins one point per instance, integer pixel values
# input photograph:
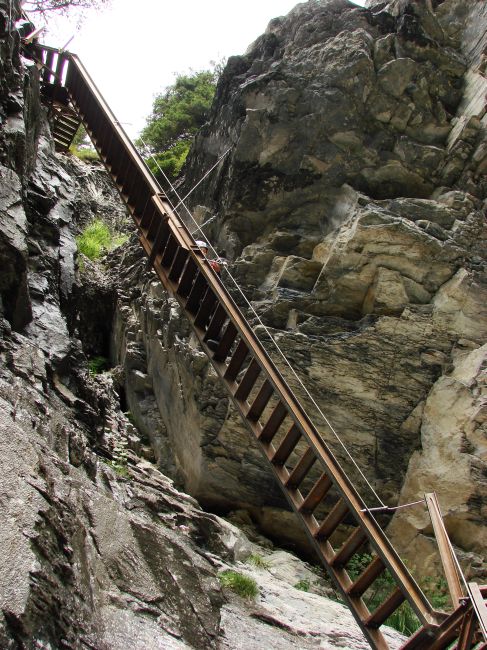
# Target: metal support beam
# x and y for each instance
(479, 605)
(444, 547)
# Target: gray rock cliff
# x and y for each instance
(352, 209)
(98, 548)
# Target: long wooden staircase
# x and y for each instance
(315, 485)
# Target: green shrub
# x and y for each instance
(96, 365)
(120, 470)
(97, 238)
(177, 115)
(242, 585)
(82, 147)
(258, 561)
(170, 161)
(302, 585)
(436, 590)
(404, 619)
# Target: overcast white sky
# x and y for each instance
(133, 48)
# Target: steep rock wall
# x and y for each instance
(352, 209)
(98, 549)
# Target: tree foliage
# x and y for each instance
(61, 6)
(177, 114)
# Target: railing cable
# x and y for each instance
(181, 201)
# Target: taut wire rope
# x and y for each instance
(204, 224)
(181, 201)
(276, 345)
(394, 508)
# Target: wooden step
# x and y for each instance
(272, 425)
(237, 360)
(143, 209)
(206, 309)
(196, 294)
(388, 607)
(155, 222)
(226, 342)
(317, 493)
(178, 264)
(333, 520)
(169, 252)
(287, 446)
(248, 381)
(216, 324)
(47, 72)
(129, 189)
(260, 402)
(71, 121)
(187, 278)
(104, 141)
(160, 240)
(349, 548)
(63, 129)
(62, 140)
(366, 578)
(467, 632)
(153, 219)
(300, 471)
(59, 70)
(125, 169)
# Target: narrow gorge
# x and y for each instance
(350, 203)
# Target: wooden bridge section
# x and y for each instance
(330, 509)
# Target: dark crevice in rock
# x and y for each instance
(381, 19)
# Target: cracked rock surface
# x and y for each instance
(98, 548)
(352, 210)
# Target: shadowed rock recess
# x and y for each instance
(351, 208)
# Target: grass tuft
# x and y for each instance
(242, 585)
(302, 585)
(258, 561)
(97, 238)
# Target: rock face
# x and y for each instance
(352, 209)
(99, 549)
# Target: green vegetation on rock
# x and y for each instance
(97, 238)
(242, 585)
(177, 114)
(436, 590)
(97, 365)
(82, 147)
(404, 619)
(119, 462)
(302, 585)
(258, 561)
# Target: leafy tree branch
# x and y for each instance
(44, 7)
(176, 116)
